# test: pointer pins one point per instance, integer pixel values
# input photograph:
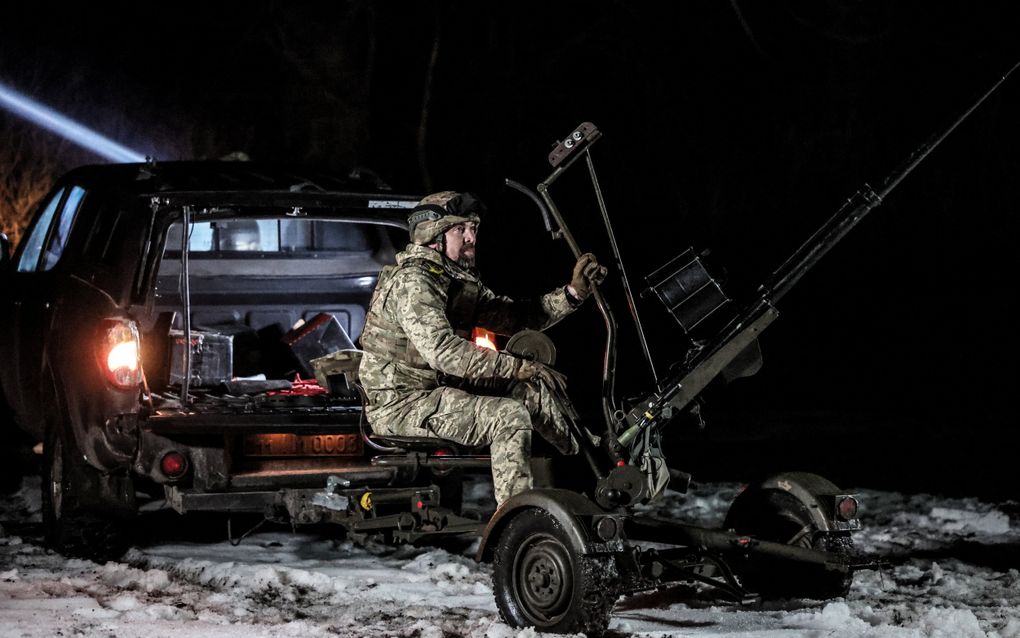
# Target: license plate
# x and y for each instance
(302, 445)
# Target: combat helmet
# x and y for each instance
(438, 212)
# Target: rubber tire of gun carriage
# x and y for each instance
(540, 580)
(777, 516)
(86, 513)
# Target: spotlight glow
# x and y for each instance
(65, 127)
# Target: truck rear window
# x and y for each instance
(276, 236)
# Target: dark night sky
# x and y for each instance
(737, 126)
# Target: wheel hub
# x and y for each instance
(544, 579)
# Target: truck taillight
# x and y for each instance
(173, 465)
(118, 353)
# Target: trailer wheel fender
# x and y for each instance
(810, 489)
(793, 508)
(569, 509)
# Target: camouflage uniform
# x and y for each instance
(423, 377)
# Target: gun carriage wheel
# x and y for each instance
(541, 580)
(777, 516)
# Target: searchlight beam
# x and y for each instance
(65, 127)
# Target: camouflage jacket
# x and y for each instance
(411, 346)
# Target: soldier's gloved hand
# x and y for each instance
(529, 370)
(587, 274)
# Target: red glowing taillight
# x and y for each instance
(173, 465)
(846, 508)
(118, 353)
(484, 338)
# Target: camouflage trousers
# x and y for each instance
(504, 423)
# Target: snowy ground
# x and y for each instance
(953, 574)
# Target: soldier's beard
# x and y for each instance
(467, 257)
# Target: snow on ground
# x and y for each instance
(953, 573)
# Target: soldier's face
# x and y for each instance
(460, 243)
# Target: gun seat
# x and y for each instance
(427, 444)
(428, 451)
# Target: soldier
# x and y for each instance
(424, 377)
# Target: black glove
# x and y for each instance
(529, 370)
(587, 274)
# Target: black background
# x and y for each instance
(735, 126)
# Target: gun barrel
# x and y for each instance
(857, 207)
(682, 387)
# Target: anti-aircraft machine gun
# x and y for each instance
(562, 559)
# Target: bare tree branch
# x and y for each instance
(29, 164)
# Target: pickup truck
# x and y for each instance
(150, 328)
